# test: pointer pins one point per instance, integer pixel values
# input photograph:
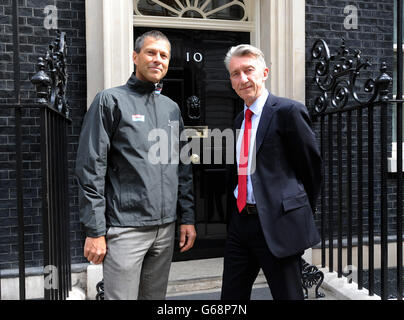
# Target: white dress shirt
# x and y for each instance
(256, 109)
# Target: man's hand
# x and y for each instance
(187, 237)
(95, 249)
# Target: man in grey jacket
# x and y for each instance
(129, 201)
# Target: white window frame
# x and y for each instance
(252, 25)
(392, 162)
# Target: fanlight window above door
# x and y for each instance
(198, 9)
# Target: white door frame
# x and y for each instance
(277, 27)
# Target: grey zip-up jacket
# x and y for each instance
(120, 181)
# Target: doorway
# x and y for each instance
(198, 81)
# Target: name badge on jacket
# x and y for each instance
(137, 117)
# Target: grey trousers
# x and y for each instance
(137, 263)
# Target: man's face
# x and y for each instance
(247, 77)
(152, 60)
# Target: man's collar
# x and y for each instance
(259, 103)
(143, 86)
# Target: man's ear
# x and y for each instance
(266, 73)
(134, 57)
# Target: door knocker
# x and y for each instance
(194, 108)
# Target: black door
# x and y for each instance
(198, 81)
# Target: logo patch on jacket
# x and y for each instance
(137, 117)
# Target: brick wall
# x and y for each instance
(33, 40)
(374, 37)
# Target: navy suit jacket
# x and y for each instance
(287, 177)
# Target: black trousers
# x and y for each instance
(246, 252)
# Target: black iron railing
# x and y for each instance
(399, 128)
(55, 204)
(50, 82)
(355, 145)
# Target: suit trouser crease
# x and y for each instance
(137, 263)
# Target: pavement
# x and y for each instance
(202, 280)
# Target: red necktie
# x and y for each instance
(243, 163)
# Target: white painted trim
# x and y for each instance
(109, 44)
(283, 43)
(255, 7)
(252, 26)
(276, 26)
(395, 47)
(94, 49)
(392, 162)
(197, 24)
(201, 8)
(109, 38)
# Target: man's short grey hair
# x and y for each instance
(158, 35)
(243, 50)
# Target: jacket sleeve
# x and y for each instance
(91, 163)
(185, 204)
(303, 150)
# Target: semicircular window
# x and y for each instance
(196, 9)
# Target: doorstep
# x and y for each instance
(185, 277)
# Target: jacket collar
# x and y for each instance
(265, 119)
(142, 86)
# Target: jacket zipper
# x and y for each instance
(161, 165)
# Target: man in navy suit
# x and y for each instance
(275, 187)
